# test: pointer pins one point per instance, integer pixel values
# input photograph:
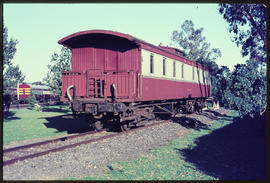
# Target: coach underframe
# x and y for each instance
(100, 111)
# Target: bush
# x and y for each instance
(247, 90)
(32, 101)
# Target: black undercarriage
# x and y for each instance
(125, 115)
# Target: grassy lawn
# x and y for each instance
(227, 150)
(217, 153)
(26, 124)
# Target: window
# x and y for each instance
(173, 68)
(203, 75)
(193, 73)
(151, 63)
(164, 66)
(182, 70)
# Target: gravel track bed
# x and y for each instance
(53, 145)
(87, 160)
(31, 141)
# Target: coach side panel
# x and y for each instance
(166, 78)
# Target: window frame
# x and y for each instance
(164, 66)
(182, 74)
(151, 63)
(174, 68)
(193, 72)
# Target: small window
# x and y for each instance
(182, 70)
(164, 66)
(173, 68)
(193, 73)
(151, 63)
(203, 75)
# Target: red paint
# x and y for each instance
(73, 40)
(125, 83)
(24, 91)
(112, 57)
(161, 89)
(74, 78)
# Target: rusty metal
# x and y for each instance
(91, 108)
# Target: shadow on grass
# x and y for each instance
(190, 123)
(235, 152)
(67, 123)
(217, 114)
(8, 116)
(49, 109)
(78, 125)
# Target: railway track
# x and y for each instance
(21, 106)
(20, 153)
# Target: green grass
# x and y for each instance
(26, 124)
(164, 163)
(223, 151)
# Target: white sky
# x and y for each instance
(38, 27)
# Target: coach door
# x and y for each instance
(95, 83)
(111, 57)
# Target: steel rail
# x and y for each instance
(49, 141)
(12, 161)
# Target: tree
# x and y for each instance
(12, 76)
(11, 73)
(193, 44)
(247, 89)
(248, 24)
(9, 48)
(59, 62)
(222, 82)
(32, 100)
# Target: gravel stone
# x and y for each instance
(89, 159)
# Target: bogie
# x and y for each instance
(98, 125)
(139, 114)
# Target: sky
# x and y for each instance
(38, 28)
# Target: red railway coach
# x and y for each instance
(118, 77)
(24, 91)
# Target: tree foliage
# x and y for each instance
(222, 81)
(9, 48)
(32, 100)
(59, 62)
(192, 42)
(248, 85)
(12, 76)
(247, 89)
(248, 24)
(11, 73)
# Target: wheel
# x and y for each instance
(125, 127)
(190, 108)
(179, 110)
(98, 125)
(74, 114)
